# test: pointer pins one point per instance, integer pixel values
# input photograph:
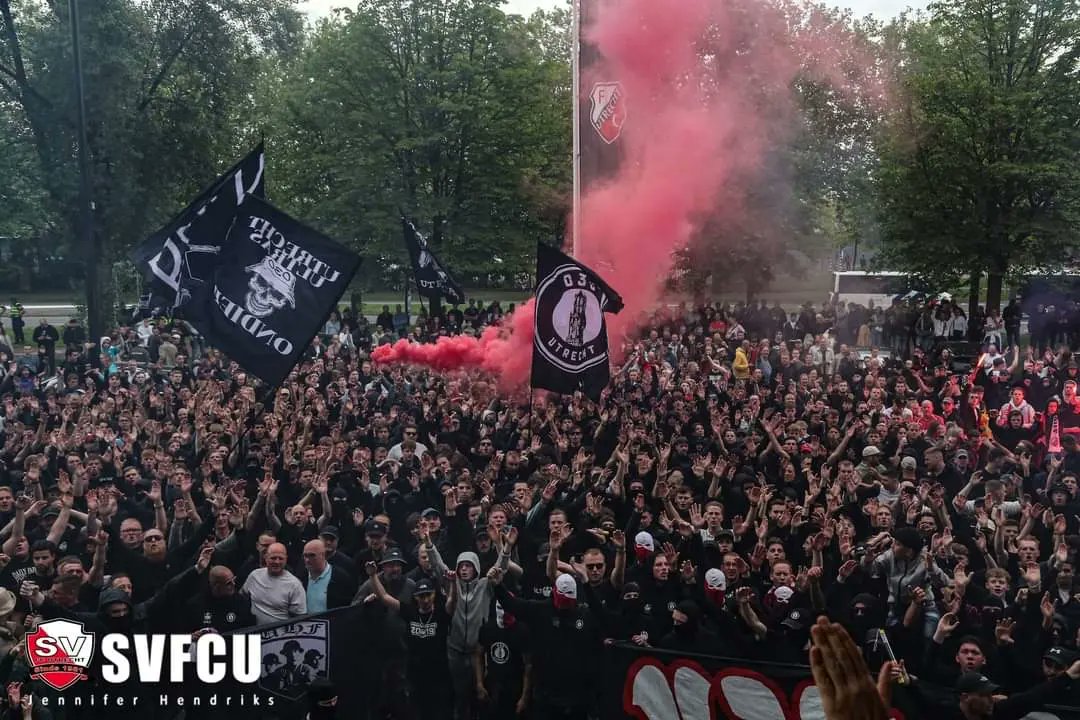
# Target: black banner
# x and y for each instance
(648, 684)
(570, 346)
(276, 282)
(188, 247)
(432, 280)
(602, 102)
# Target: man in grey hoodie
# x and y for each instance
(475, 594)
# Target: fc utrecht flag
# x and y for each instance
(275, 284)
(188, 247)
(432, 280)
(602, 102)
(570, 346)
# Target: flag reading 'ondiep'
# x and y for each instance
(276, 282)
(570, 345)
(432, 280)
(189, 245)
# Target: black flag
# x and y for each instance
(188, 247)
(570, 347)
(432, 280)
(276, 282)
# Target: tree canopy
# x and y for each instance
(458, 114)
(979, 165)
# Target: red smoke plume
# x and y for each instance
(505, 350)
(708, 89)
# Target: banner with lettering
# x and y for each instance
(272, 290)
(647, 684)
(432, 279)
(189, 245)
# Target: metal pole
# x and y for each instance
(575, 60)
(86, 235)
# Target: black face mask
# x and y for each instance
(631, 606)
(686, 630)
(119, 624)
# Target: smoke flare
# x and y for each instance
(709, 90)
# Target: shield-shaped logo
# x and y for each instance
(59, 653)
(608, 110)
(293, 656)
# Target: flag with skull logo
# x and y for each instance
(275, 285)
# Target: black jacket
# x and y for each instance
(567, 649)
(341, 590)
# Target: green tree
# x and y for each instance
(979, 165)
(449, 110)
(168, 97)
(812, 192)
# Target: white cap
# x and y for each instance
(566, 586)
(645, 540)
(715, 579)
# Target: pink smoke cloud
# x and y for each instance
(708, 87)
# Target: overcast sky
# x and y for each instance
(884, 9)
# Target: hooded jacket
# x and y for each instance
(473, 602)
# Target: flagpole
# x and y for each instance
(575, 59)
(532, 430)
(90, 240)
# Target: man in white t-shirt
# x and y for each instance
(407, 433)
(276, 594)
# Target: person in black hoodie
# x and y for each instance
(219, 606)
(503, 666)
(567, 648)
(118, 614)
(687, 633)
(627, 620)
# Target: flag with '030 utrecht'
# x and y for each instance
(570, 344)
(275, 285)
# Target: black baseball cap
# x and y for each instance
(424, 586)
(798, 619)
(330, 531)
(428, 512)
(973, 682)
(1060, 656)
(374, 527)
(393, 554)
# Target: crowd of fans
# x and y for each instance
(745, 472)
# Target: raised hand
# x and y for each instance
(687, 572)
(204, 558)
(1003, 632)
(947, 624)
(841, 675)
(961, 577)
(1046, 607)
(618, 539)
